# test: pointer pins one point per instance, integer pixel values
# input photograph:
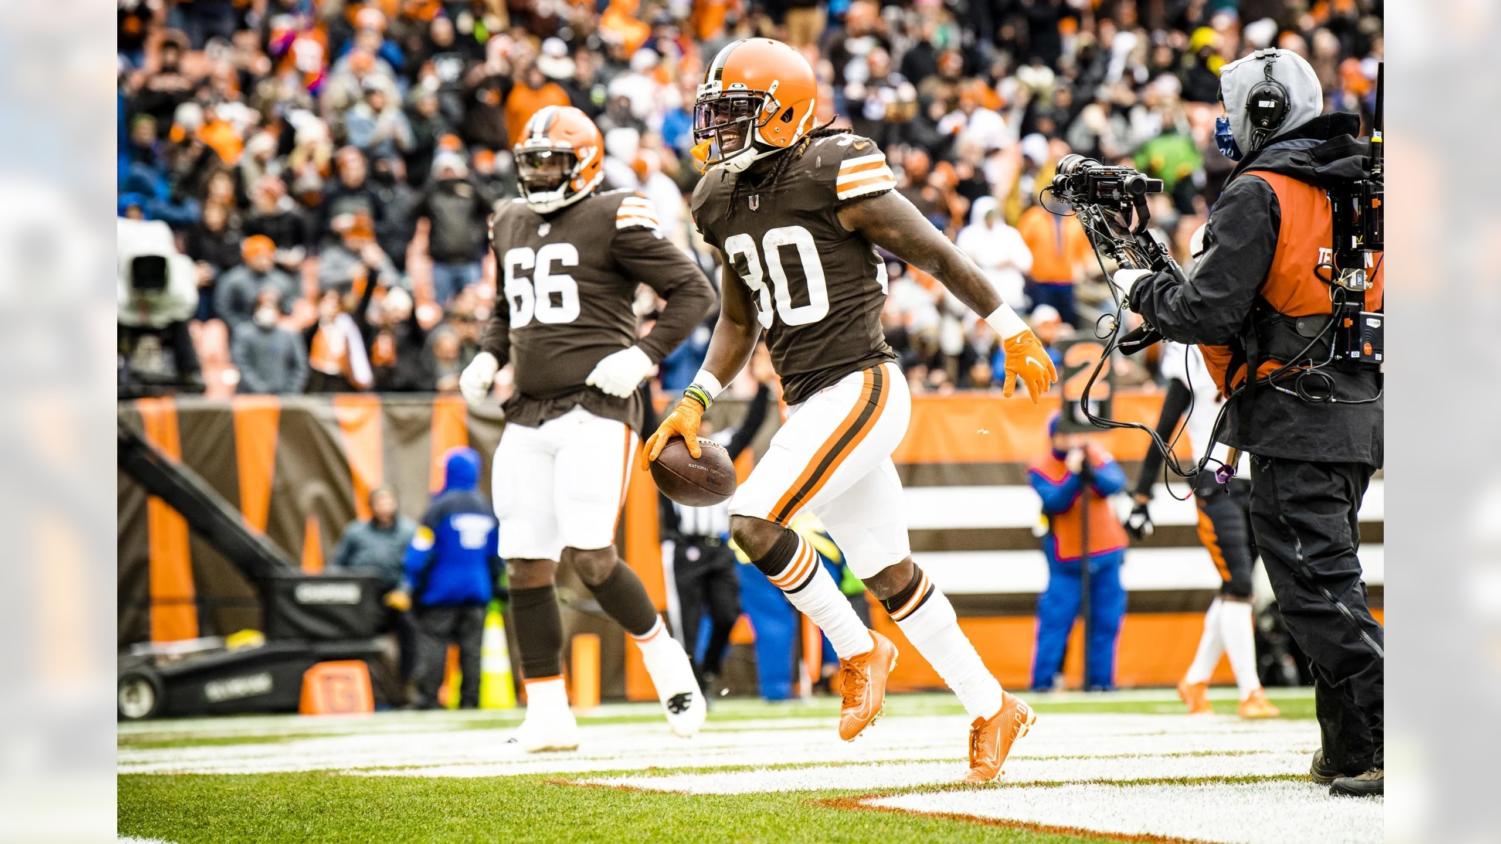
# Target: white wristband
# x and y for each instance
(708, 383)
(1006, 323)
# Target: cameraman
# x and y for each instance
(1260, 298)
(157, 295)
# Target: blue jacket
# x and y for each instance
(454, 556)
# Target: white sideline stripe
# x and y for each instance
(938, 507)
(875, 187)
(875, 172)
(863, 159)
(643, 747)
(1249, 812)
(993, 572)
(1018, 771)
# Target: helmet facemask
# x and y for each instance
(545, 173)
(727, 125)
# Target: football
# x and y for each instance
(694, 483)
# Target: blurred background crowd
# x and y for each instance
(327, 166)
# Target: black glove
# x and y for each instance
(1139, 523)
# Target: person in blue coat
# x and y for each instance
(1078, 477)
(449, 576)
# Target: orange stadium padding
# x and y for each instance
(174, 611)
(256, 419)
(359, 418)
(448, 431)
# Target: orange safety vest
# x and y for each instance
(1292, 287)
(1105, 531)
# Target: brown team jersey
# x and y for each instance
(819, 289)
(569, 281)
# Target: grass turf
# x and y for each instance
(323, 807)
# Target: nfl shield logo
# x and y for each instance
(755, 201)
(543, 229)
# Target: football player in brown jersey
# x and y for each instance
(570, 258)
(797, 213)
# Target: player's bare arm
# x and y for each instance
(735, 335)
(736, 330)
(891, 222)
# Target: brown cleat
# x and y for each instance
(1196, 696)
(1257, 706)
(862, 682)
(990, 739)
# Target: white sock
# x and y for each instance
(1240, 643)
(808, 586)
(1211, 645)
(929, 623)
(546, 694)
(666, 662)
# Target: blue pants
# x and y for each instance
(776, 623)
(449, 279)
(1057, 608)
(1060, 296)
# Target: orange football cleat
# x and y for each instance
(1257, 706)
(862, 682)
(1196, 695)
(990, 739)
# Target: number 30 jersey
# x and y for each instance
(818, 288)
(567, 284)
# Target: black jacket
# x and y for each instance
(1215, 306)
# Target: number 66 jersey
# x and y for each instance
(567, 283)
(819, 288)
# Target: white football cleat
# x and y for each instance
(549, 723)
(672, 676)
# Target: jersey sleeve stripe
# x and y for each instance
(635, 212)
(849, 179)
(847, 171)
(856, 163)
(877, 185)
(627, 222)
(635, 202)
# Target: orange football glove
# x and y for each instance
(1027, 360)
(683, 422)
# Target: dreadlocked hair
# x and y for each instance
(785, 159)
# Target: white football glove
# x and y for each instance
(1125, 278)
(476, 379)
(619, 374)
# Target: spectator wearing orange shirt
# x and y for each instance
(532, 93)
(1059, 252)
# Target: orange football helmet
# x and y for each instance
(559, 159)
(757, 98)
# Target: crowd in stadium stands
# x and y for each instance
(329, 164)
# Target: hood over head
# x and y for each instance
(461, 469)
(1305, 97)
(982, 206)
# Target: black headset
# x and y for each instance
(1268, 103)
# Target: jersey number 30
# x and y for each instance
(551, 296)
(742, 247)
